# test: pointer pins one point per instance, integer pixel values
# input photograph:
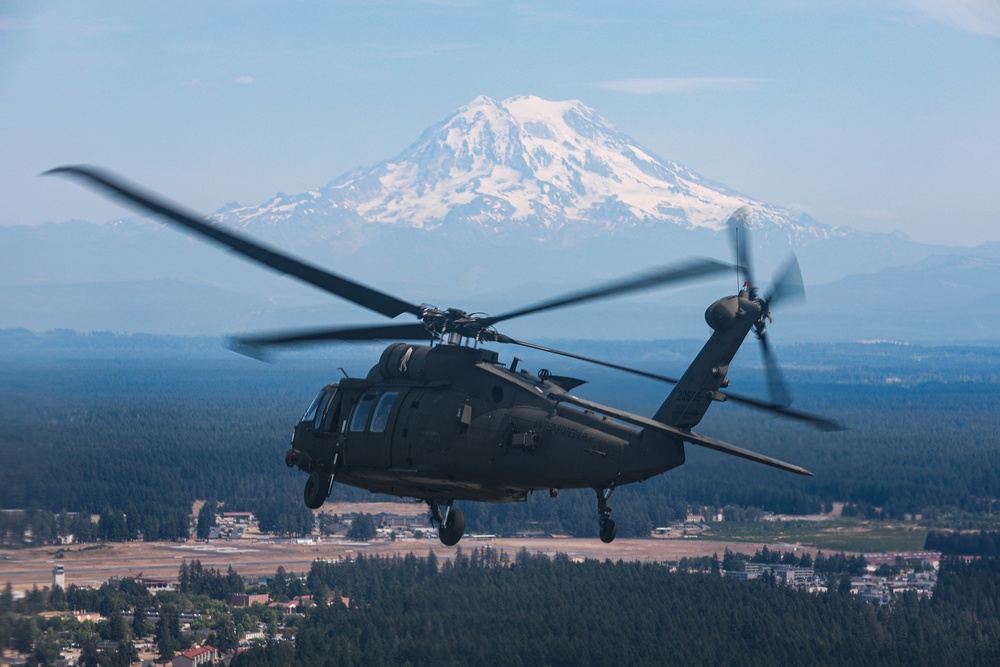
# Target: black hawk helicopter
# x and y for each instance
(446, 421)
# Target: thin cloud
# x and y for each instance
(421, 51)
(56, 26)
(680, 85)
(245, 80)
(876, 214)
(981, 17)
(536, 15)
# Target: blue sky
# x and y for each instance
(881, 115)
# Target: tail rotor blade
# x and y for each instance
(788, 285)
(776, 386)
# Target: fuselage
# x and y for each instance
(451, 422)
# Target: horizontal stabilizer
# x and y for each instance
(686, 436)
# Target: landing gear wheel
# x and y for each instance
(317, 489)
(608, 531)
(453, 528)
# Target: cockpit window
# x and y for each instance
(361, 412)
(325, 407)
(311, 412)
(381, 418)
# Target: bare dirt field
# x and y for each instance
(25, 568)
(92, 565)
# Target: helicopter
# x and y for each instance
(442, 420)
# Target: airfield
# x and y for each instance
(92, 565)
(260, 555)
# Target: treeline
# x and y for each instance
(834, 564)
(541, 611)
(488, 607)
(138, 440)
(981, 543)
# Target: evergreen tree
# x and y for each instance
(139, 621)
(168, 632)
(7, 598)
(25, 633)
(57, 599)
(89, 656)
(207, 519)
(362, 528)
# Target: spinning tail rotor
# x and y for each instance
(786, 286)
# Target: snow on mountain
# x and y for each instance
(523, 164)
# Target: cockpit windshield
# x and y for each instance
(318, 401)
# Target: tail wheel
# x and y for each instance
(453, 528)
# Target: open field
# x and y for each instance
(92, 566)
(256, 554)
(834, 535)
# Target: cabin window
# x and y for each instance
(381, 417)
(314, 407)
(361, 412)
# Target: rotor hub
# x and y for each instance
(725, 312)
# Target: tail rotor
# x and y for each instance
(786, 287)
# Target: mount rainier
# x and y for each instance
(521, 165)
(500, 204)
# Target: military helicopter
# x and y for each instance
(446, 421)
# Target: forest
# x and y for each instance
(487, 607)
(542, 611)
(133, 429)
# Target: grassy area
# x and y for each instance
(832, 535)
(61, 552)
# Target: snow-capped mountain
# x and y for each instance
(498, 205)
(523, 164)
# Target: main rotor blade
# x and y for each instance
(414, 331)
(817, 421)
(501, 338)
(788, 284)
(690, 270)
(345, 288)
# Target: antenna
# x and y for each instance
(738, 285)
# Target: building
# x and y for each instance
(196, 656)
(154, 586)
(926, 559)
(245, 599)
(782, 572)
(59, 577)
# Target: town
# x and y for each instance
(201, 613)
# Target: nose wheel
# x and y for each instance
(318, 486)
(450, 522)
(608, 528)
